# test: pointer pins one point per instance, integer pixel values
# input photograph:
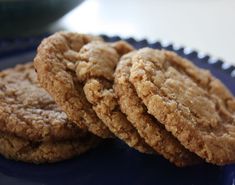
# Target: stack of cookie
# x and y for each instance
(153, 100)
(32, 127)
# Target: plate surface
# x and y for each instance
(113, 162)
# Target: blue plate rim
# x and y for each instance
(18, 45)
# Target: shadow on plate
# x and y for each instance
(111, 163)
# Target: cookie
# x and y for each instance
(149, 128)
(27, 111)
(54, 62)
(192, 104)
(19, 149)
(95, 69)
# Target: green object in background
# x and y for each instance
(23, 17)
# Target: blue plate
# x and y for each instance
(113, 162)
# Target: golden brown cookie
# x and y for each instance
(192, 104)
(13, 147)
(27, 110)
(54, 63)
(149, 128)
(95, 69)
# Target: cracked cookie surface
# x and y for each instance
(27, 110)
(19, 149)
(193, 105)
(55, 63)
(148, 127)
(96, 69)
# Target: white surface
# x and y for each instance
(205, 25)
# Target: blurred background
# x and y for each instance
(205, 25)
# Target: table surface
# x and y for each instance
(205, 25)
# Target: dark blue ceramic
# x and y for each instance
(113, 162)
(23, 17)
